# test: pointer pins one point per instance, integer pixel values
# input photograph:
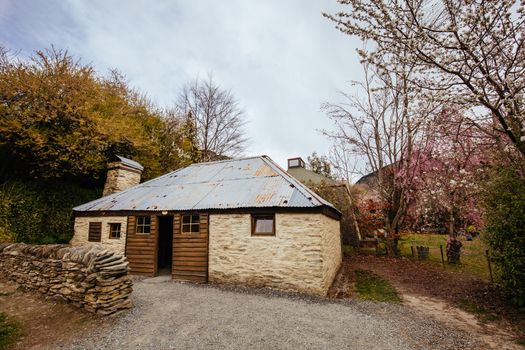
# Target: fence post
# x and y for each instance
(412, 249)
(442, 258)
(490, 265)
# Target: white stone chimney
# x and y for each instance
(123, 173)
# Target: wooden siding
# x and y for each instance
(190, 251)
(141, 249)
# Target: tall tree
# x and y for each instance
(381, 129)
(449, 173)
(320, 165)
(473, 50)
(179, 146)
(219, 119)
(59, 119)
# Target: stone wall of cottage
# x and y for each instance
(92, 278)
(81, 233)
(331, 252)
(120, 178)
(302, 256)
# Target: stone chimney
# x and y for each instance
(123, 173)
(295, 163)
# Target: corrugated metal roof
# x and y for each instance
(255, 182)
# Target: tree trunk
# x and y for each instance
(391, 243)
(451, 224)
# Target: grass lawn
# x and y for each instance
(370, 286)
(473, 258)
(9, 331)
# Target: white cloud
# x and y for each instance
(281, 59)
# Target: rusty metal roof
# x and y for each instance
(256, 182)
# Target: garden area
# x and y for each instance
(473, 258)
(454, 295)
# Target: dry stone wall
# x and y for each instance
(93, 278)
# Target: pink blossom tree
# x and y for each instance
(449, 173)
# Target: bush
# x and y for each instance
(9, 331)
(40, 212)
(505, 229)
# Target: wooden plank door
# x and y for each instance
(141, 249)
(190, 250)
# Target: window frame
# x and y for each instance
(190, 224)
(111, 231)
(255, 217)
(92, 226)
(143, 225)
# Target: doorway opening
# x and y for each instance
(165, 245)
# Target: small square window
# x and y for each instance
(263, 225)
(143, 225)
(114, 230)
(190, 223)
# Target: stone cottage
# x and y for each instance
(243, 221)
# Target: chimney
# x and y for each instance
(297, 162)
(123, 173)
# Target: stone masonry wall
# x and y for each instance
(81, 232)
(295, 258)
(330, 249)
(120, 178)
(92, 278)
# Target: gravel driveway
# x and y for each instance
(172, 315)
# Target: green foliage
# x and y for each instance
(40, 212)
(9, 331)
(370, 286)
(505, 229)
(60, 120)
(60, 123)
(483, 314)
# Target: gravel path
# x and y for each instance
(171, 315)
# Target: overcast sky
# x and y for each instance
(280, 58)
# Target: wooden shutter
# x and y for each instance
(95, 231)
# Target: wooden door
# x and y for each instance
(190, 249)
(141, 248)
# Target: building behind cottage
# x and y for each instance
(242, 221)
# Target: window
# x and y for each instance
(114, 230)
(143, 225)
(263, 224)
(190, 223)
(94, 231)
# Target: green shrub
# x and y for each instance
(505, 229)
(9, 331)
(40, 212)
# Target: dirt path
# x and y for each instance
(437, 293)
(44, 322)
(491, 334)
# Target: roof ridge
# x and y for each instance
(224, 160)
